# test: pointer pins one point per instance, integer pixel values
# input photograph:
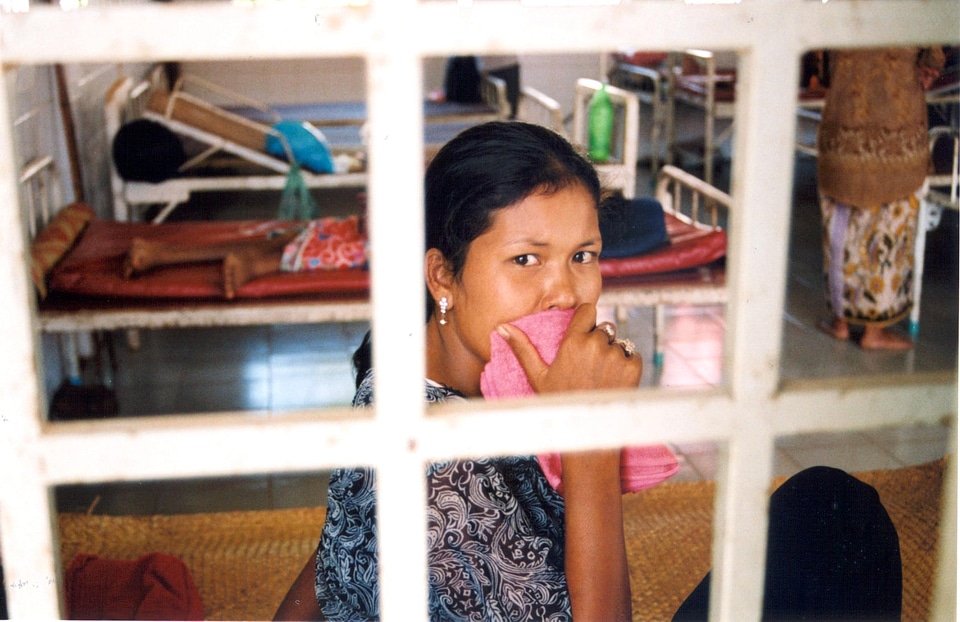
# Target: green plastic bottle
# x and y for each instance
(600, 125)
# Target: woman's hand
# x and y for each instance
(595, 559)
(588, 358)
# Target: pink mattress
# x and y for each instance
(93, 266)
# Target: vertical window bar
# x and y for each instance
(759, 235)
(26, 527)
(396, 202)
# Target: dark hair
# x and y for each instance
(485, 168)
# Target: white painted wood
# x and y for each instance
(394, 36)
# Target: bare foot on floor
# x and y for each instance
(836, 328)
(876, 338)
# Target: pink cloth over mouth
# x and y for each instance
(503, 377)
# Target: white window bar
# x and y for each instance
(393, 36)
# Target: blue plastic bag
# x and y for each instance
(308, 144)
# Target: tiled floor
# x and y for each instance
(273, 368)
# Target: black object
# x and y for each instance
(461, 82)
(3, 597)
(80, 401)
(89, 396)
(144, 150)
(832, 554)
(631, 227)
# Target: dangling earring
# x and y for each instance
(444, 303)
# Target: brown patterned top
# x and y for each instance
(872, 140)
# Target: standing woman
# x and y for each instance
(872, 161)
(512, 230)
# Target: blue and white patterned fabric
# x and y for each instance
(495, 539)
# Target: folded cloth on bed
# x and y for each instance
(156, 586)
(55, 240)
(502, 377)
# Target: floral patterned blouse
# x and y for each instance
(495, 539)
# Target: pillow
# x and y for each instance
(55, 240)
(144, 150)
(327, 244)
(308, 144)
(631, 227)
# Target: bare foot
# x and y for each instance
(236, 272)
(138, 258)
(876, 338)
(838, 329)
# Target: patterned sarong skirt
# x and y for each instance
(868, 259)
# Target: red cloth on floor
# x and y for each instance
(156, 586)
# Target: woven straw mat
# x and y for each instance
(244, 562)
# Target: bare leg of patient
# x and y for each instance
(147, 254)
(240, 268)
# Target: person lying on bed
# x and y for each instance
(322, 244)
(512, 232)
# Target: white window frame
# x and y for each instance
(394, 36)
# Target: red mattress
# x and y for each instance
(689, 247)
(93, 266)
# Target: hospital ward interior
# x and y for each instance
(149, 412)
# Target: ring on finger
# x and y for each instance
(609, 329)
(629, 349)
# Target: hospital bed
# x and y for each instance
(77, 267)
(697, 78)
(645, 74)
(668, 79)
(233, 131)
(233, 145)
(941, 191)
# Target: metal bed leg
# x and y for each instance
(927, 220)
(659, 327)
(70, 358)
(133, 338)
